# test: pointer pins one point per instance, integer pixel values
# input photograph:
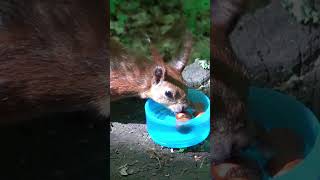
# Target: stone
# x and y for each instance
(279, 52)
(195, 75)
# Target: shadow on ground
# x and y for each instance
(64, 146)
(130, 110)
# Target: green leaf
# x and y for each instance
(112, 7)
(117, 28)
(181, 150)
(141, 19)
(205, 64)
(168, 19)
(165, 29)
(130, 5)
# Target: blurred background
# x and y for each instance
(132, 22)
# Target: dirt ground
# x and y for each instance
(133, 155)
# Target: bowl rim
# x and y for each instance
(306, 166)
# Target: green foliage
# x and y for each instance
(181, 150)
(198, 15)
(303, 10)
(203, 63)
(133, 23)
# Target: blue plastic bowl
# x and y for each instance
(161, 123)
(275, 110)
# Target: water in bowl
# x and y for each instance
(162, 126)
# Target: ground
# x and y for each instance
(133, 155)
(74, 146)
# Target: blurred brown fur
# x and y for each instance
(230, 84)
(53, 57)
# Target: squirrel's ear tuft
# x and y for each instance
(181, 60)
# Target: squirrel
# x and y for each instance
(229, 128)
(136, 76)
(53, 57)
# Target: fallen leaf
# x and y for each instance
(197, 158)
(123, 171)
(125, 165)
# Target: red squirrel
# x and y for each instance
(136, 76)
(53, 57)
(229, 129)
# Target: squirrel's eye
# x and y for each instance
(169, 94)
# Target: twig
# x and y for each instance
(158, 161)
(202, 162)
(184, 170)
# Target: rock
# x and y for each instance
(205, 88)
(279, 52)
(317, 5)
(197, 77)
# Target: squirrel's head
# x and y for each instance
(167, 85)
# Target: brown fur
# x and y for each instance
(133, 76)
(52, 57)
(127, 73)
(229, 129)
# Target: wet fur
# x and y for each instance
(52, 57)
